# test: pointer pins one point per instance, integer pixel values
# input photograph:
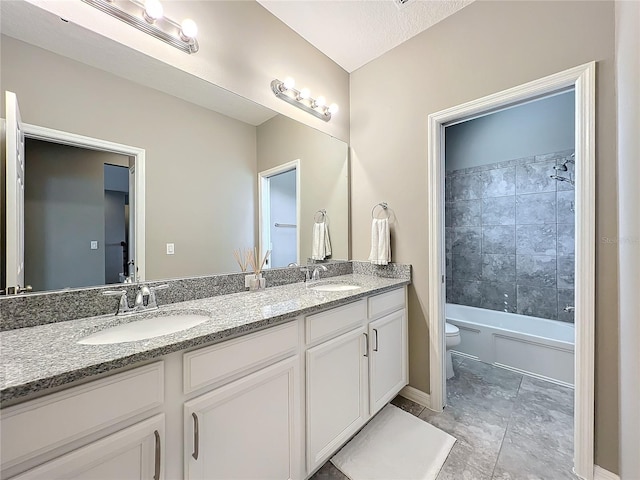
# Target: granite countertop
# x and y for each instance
(34, 359)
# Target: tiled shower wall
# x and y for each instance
(510, 237)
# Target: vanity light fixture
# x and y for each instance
(302, 99)
(148, 16)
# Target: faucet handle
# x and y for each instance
(153, 303)
(123, 305)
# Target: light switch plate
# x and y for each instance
(94, 244)
(171, 249)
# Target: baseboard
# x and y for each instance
(416, 395)
(600, 473)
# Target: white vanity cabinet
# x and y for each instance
(246, 429)
(356, 362)
(248, 425)
(88, 431)
(133, 453)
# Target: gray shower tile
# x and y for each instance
(566, 271)
(500, 182)
(566, 239)
(467, 266)
(559, 156)
(566, 297)
(449, 290)
(464, 213)
(536, 239)
(498, 239)
(467, 187)
(466, 293)
(466, 240)
(535, 177)
(447, 187)
(566, 207)
(499, 210)
(499, 296)
(448, 266)
(537, 301)
(536, 270)
(499, 267)
(536, 208)
(448, 239)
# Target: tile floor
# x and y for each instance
(508, 426)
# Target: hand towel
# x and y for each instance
(380, 242)
(321, 245)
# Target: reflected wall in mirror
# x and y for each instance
(201, 166)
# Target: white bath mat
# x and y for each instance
(395, 445)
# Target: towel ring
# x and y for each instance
(320, 216)
(385, 208)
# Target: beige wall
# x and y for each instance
(201, 166)
(324, 181)
(484, 48)
(243, 47)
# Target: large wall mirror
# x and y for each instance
(204, 150)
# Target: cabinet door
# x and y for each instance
(247, 429)
(336, 394)
(134, 453)
(387, 359)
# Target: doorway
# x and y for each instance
(17, 133)
(279, 213)
(582, 80)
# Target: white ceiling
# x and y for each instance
(354, 32)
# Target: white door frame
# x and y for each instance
(263, 199)
(582, 79)
(66, 138)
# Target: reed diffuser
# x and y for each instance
(258, 282)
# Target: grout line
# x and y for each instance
(493, 472)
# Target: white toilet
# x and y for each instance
(453, 338)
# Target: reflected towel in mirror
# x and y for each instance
(321, 245)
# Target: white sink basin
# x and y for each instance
(143, 329)
(334, 287)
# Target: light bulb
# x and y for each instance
(320, 102)
(333, 108)
(188, 28)
(152, 10)
(289, 83)
(304, 94)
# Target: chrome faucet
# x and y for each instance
(569, 308)
(145, 299)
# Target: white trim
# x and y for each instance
(263, 195)
(600, 473)
(415, 395)
(582, 79)
(138, 154)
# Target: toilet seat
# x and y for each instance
(451, 330)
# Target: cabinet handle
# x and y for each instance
(375, 349)
(156, 475)
(196, 437)
(366, 343)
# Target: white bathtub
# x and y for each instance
(533, 346)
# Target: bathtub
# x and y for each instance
(533, 346)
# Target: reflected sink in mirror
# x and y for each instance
(144, 329)
(334, 287)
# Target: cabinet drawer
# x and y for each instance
(386, 303)
(228, 360)
(33, 428)
(325, 325)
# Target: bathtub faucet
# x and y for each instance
(569, 308)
